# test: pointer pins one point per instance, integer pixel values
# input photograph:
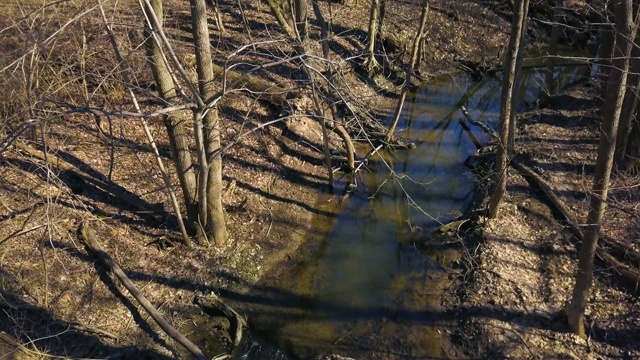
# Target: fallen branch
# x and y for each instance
(479, 124)
(628, 273)
(88, 236)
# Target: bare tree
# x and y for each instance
(210, 223)
(508, 105)
(616, 88)
(207, 125)
(370, 63)
(176, 127)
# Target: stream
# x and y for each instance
(366, 288)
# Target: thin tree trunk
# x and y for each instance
(176, 128)
(632, 159)
(414, 58)
(549, 87)
(219, 22)
(515, 98)
(628, 107)
(280, 16)
(338, 127)
(508, 90)
(616, 88)
(383, 13)
(605, 51)
(300, 17)
(214, 224)
(370, 63)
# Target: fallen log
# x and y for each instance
(629, 273)
(87, 236)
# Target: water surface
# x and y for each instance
(367, 288)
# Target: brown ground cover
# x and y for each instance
(55, 301)
(527, 259)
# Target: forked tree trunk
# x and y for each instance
(280, 15)
(208, 130)
(616, 87)
(176, 128)
(371, 65)
(514, 56)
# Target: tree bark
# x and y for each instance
(632, 159)
(280, 16)
(300, 17)
(508, 89)
(176, 128)
(515, 98)
(549, 87)
(210, 202)
(616, 88)
(628, 107)
(605, 51)
(371, 65)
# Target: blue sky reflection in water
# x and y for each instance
(367, 290)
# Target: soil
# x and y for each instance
(525, 260)
(57, 301)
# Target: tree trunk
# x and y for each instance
(300, 17)
(616, 88)
(628, 108)
(371, 65)
(632, 159)
(176, 128)
(381, 16)
(414, 59)
(549, 87)
(515, 96)
(280, 16)
(508, 89)
(210, 202)
(605, 51)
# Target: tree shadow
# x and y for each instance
(38, 329)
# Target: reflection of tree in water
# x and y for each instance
(365, 280)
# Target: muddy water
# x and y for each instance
(368, 287)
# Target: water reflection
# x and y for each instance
(367, 291)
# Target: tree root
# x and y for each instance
(212, 301)
(629, 273)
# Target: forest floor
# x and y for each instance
(526, 258)
(56, 301)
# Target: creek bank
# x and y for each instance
(523, 262)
